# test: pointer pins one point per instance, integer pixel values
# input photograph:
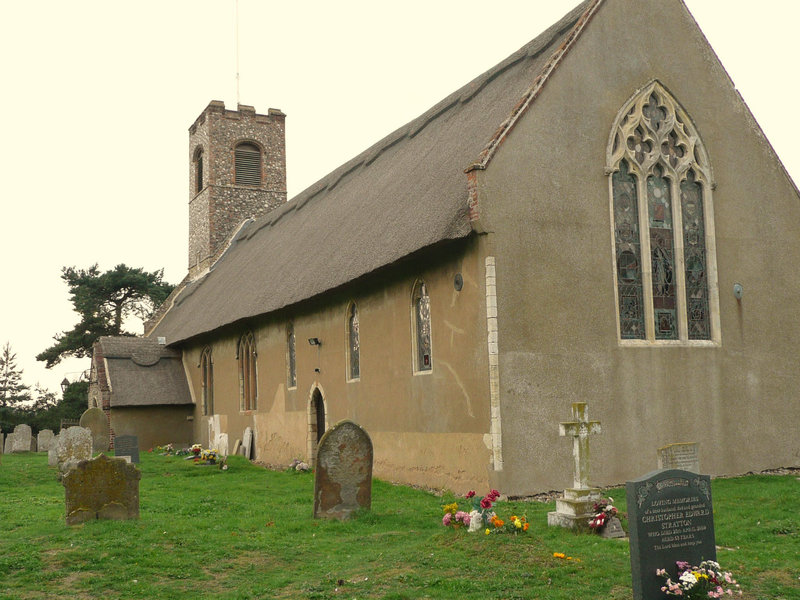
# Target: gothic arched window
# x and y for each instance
(353, 343)
(247, 167)
(207, 381)
(291, 357)
(248, 375)
(421, 322)
(660, 187)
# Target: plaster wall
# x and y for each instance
(154, 425)
(545, 197)
(427, 428)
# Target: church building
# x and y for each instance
(598, 219)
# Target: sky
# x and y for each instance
(97, 98)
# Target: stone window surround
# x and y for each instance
(705, 178)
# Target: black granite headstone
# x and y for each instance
(127, 445)
(670, 518)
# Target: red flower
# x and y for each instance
(470, 494)
(486, 503)
(493, 495)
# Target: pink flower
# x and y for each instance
(463, 517)
(493, 495)
(446, 519)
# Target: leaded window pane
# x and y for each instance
(422, 310)
(662, 256)
(694, 252)
(291, 358)
(247, 372)
(629, 264)
(207, 379)
(355, 368)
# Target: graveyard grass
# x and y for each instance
(248, 533)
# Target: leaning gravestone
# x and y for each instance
(23, 439)
(670, 519)
(102, 488)
(247, 443)
(72, 446)
(679, 456)
(44, 440)
(343, 478)
(221, 444)
(127, 445)
(96, 421)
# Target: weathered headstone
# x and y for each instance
(237, 447)
(612, 529)
(343, 478)
(102, 488)
(9, 446)
(1, 442)
(221, 444)
(127, 445)
(247, 443)
(52, 454)
(72, 446)
(96, 421)
(574, 509)
(22, 439)
(44, 440)
(670, 518)
(679, 456)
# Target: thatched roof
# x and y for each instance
(142, 372)
(406, 193)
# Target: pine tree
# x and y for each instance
(12, 391)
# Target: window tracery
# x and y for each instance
(248, 376)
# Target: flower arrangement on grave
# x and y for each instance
(196, 449)
(482, 517)
(604, 512)
(209, 456)
(704, 581)
(164, 450)
(298, 466)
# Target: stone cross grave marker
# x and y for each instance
(670, 518)
(44, 440)
(102, 488)
(72, 446)
(574, 509)
(343, 477)
(23, 439)
(96, 421)
(127, 445)
(247, 443)
(679, 456)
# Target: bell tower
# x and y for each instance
(238, 171)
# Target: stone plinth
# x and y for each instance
(575, 509)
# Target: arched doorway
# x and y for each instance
(316, 424)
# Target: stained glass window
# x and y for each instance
(354, 367)
(291, 357)
(422, 327)
(207, 381)
(660, 179)
(248, 376)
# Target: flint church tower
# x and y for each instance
(238, 171)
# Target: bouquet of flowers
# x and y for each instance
(604, 511)
(196, 449)
(209, 456)
(453, 517)
(704, 581)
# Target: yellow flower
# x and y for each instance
(517, 523)
(559, 555)
(488, 532)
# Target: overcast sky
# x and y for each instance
(98, 97)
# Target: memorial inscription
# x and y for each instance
(670, 518)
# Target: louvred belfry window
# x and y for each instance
(248, 164)
(660, 187)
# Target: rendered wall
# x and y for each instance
(545, 198)
(154, 425)
(427, 428)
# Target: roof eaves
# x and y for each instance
(486, 155)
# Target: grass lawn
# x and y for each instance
(248, 533)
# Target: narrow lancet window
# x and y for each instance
(629, 263)
(662, 256)
(291, 357)
(694, 249)
(422, 327)
(207, 381)
(353, 349)
(248, 377)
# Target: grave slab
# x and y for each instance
(247, 443)
(343, 477)
(127, 445)
(96, 421)
(683, 456)
(44, 440)
(72, 446)
(102, 488)
(23, 439)
(670, 518)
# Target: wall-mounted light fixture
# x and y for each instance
(65, 384)
(314, 342)
(738, 291)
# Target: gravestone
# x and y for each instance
(247, 443)
(9, 446)
(2, 450)
(343, 478)
(23, 439)
(221, 444)
(96, 421)
(52, 454)
(237, 447)
(574, 509)
(684, 457)
(72, 446)
(102, 488)
(127, 445)
(670, 518)
(44, 440)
